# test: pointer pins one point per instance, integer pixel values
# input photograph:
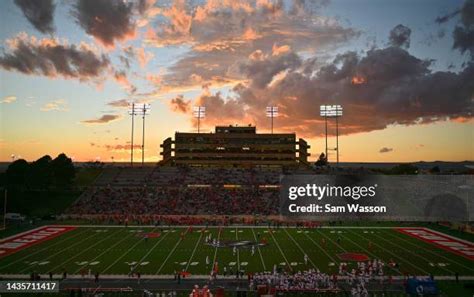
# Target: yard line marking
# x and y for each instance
(194, 250)
(238, 252)
(215, 252)
(172, 251)
(370, 253)
(394, 255)
(324, 251)
(428, 250)
(284, 257)
(419, 256)
(111, 247)
(298, 245)
(154, 246)
(43, 249)
(335, 242)
(169, 255)
(63, 250)
(85, 250)
(259, 252)
(126, 252)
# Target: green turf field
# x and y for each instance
(113, 250)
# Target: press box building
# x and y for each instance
(235, 146)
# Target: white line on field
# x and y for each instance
(22, 233)
(428, 250)
(238, 253)
(111, 247)
(447, 235)
(154, 246)
(169, 255)
(286, 260)
(335, 242)
(85, 250)
(63, 250)
(300, 248)
(370, 253)
(194, 250)
(259, 252)
(324, 251)
(410, 252)
(215, 252)
(44, 249)
(396, 256)
(126, 252)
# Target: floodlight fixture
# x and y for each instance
(199, 112)
(331, 111)
(272, 112)
(142, 109)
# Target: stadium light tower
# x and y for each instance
(132, 111)
(199, 112)
(331, 111)
(143, 110)
(272, 112)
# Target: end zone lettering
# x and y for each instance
(443, 241)
(13, 244)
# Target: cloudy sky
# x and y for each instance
(402, 70)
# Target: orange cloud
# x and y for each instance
(56, 105)
(278, 50)
(105, 119)
(154, 79)
(121, 78)
(8, 99)
(358, 80)
(143, 57)
(225, 33)
(122, 103)
(178, 104)
(121, 147)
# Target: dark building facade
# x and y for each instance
(235, 146)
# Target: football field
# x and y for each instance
(161, 251)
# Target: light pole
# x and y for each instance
(131, 112)
(142, 109)
(199, 112)
(331, 111)
(323, 113)
(145, 110)
(272, 112)
(5, 210)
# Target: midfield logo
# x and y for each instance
(245, 244)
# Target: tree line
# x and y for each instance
(43, 174)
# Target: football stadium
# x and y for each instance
(202, 148)
(167, 228)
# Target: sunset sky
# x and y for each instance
(402, 70)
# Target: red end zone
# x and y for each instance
(23, 240)
(445, 242)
